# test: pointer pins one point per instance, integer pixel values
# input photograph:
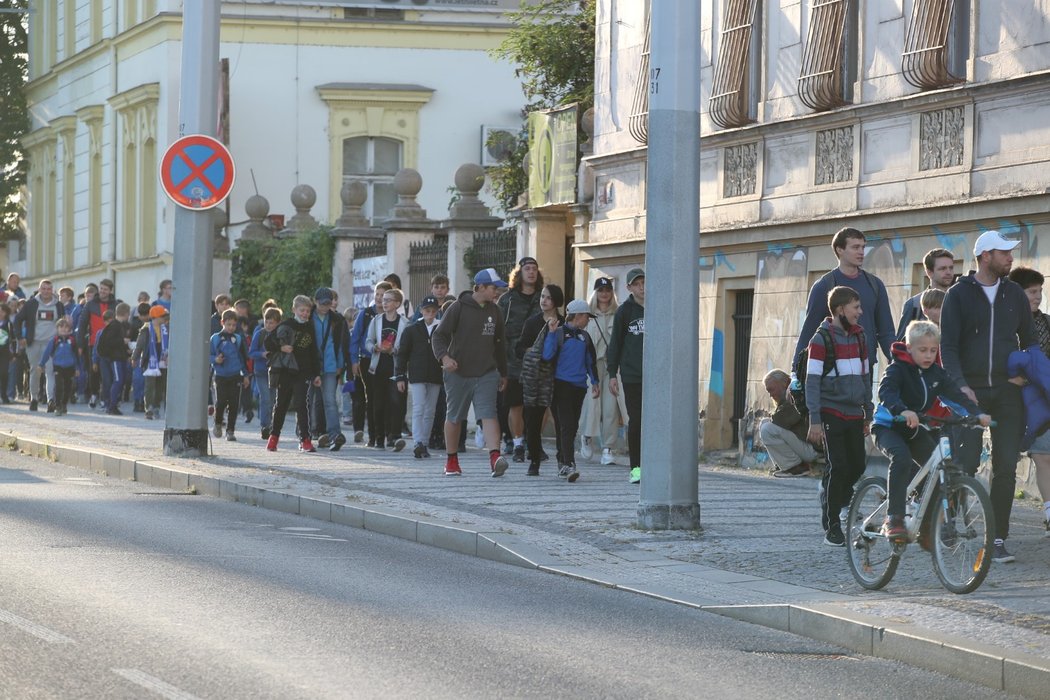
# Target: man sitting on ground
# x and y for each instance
(784, 434)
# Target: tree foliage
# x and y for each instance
(14, 120)
(552, 43)
(280, 268)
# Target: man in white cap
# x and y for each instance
(985, 317)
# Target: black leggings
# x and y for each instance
(291, 389)
(632, 397)
(568, 399)
(227, 399)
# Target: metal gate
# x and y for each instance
(745, 303)
(370, 249)
(426, 259)
(495, 249)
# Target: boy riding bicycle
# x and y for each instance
(910, 386)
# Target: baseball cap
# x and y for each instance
(429, 300)
(578, 306)
(603, 283)
(489, 276)
(634, 273)
(527, 261)
(992, 240)
(157, 311)
(323, 294)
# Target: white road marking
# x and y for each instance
(301, 529)
(34, 629)
(153, 684)
(326, 538)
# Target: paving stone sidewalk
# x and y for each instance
(760, 542)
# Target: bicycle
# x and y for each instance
(960, 528)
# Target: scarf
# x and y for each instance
(157, 360)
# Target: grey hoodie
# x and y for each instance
(473, 336)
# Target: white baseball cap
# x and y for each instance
(992, 240)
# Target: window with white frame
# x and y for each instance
(374, 160)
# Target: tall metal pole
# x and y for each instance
(669, 498)
(186, 420)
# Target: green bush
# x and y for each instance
(280, 268)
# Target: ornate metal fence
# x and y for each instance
(496, 249)
(370, 249)
(425, 259)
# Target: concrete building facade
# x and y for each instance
(319, 94)
(921, 122)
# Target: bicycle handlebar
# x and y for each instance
(968, 421)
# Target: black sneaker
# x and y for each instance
(398, 444)
(834, 537)
(519, 453)
(140, 407)
(265, 432)
(418, 450)
(324, 442)
(359, 437)
(114, 411)
(51, 406)
(573, 475)
(248, 415)
(508, 447)
(1000, 555)
(33, 405)
(426, 452)
(337, 443)
(230, 437)
(534, 470)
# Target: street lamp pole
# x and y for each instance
(186, 418)
(670, 450)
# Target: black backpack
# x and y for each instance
(798, 388)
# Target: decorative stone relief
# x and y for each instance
(834, 156)
(741, 170)
(941, 138)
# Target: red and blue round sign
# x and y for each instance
(197, 172)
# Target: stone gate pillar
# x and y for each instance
(467, 216)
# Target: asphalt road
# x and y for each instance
(109, 589)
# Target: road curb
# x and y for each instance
(990, 666)
(993, 667)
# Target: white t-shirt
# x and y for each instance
(990, 290)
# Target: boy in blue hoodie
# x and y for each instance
(229, 363)
(62, 352)
(261, 367)
(571, 350)
(910, 386)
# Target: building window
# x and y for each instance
(373, 161)
(937, 45)
(829, 59)
(740, 170)
(734, 95)
(137, 109)
(638, 121)
(834, 159)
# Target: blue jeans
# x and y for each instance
(266, 396)
(116, 372)
(329, 395)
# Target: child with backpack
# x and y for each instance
(61, 351)
(570, 350)
(838, 402)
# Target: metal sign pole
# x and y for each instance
(669, 496)
(186, 418)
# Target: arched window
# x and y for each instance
(374, 161)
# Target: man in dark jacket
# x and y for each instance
(469, 344)
(623, 360)
(332, 349)
(985, 317)
(88, 326)
(939, 265)
(520, 302)
(784, 434)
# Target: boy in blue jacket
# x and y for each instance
(62, 352)
(229, 363)
(571, 350)
(910, 386)
(261, 368)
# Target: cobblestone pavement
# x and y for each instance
(760, 540)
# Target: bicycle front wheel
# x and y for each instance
(962, 534)
(872, 557)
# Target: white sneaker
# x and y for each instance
(479, 438)
(586, 451)
(607, 456)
